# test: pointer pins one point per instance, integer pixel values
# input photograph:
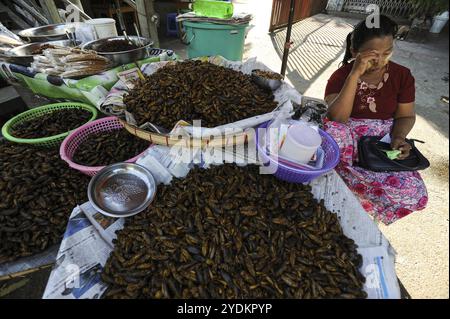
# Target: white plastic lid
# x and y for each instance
(101, 21)
(304, 135)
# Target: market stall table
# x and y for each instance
(38, 274)
(91, 255)
(89, 235)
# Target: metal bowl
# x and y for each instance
(23, 55)
(123, 57)
(265, 82)
(122, 190)
(51, 32)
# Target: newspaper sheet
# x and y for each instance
(89, 237)
(84, 250)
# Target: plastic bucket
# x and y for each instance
(301, 143)
(209, 39)
(104, 27)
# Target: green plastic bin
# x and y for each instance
(209, 39)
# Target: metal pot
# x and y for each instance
(52, 32)
(23, 55)
(123, 57)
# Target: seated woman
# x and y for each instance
(373, 96)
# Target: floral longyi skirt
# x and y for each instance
(386, 196)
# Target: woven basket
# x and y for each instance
(77, 137)
(188, 142)
(35, 113)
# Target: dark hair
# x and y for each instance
(361, 34)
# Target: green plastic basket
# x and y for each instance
(50, 141)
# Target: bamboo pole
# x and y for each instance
(20, 22)
(25, 272)
(34, 13)
(52, 11)
(35, 5)
(147, 20)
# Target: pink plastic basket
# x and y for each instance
(77, 137)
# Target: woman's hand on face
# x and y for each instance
(362, 60)
(399, 143)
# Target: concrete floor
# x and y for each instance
(421, 239)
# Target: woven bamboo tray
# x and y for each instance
(189, 141)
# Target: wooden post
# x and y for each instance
(287, 45)
(52, 11)
(147, 20)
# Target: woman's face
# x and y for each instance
(383, 47)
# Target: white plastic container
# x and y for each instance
(439, 22)
(104, 27)
(84, 32)
(301, 143)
